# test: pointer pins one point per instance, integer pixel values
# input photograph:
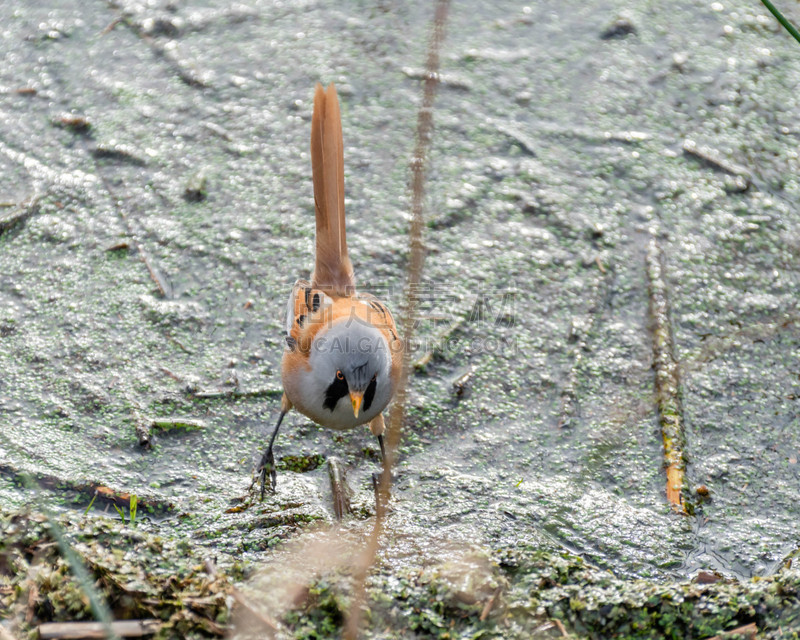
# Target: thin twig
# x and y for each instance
(162, 285)
(713, 159)
(230, 394)
(415, 266)
(89, 630)
(779, 16)
(168, 424)
(262, 617)
(460, 383)
(339, 488)
(487, 609)
(177, 342)
(749, 630)
(190, 76)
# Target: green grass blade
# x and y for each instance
(91, 503)
(132, 510)
(779, 16)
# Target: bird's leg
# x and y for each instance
(378, 426)
(383, 449)
(267, 464)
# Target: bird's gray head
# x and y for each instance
(351, 357)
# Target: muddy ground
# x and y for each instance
(156, 207)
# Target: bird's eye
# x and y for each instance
(339, 374)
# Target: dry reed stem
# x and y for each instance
(90, 630)
(670, 412)
(416, 263)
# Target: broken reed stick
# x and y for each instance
(415, 265)
(339, 488)
(235, 394)
(748, 631)
(487, 608)
(91, 630)
(670, 413)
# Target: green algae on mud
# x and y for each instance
(554, 152)
(528, 593)
(138, 574)
(512, 594)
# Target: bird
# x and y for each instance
(343, 356)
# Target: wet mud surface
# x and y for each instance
(156, 207)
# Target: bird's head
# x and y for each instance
(351, 358)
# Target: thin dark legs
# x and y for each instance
(267, 464)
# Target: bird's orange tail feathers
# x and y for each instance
(333, 271)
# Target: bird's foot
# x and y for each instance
(267, 466)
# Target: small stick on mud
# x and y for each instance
(76, 630)
(339, 488)
(460, 383)
(487, 609)
(21, 212)
(178, 343)
(163, 287)
(111, 25)
(169, 373)
(748, 630)
(670, 412)
(560, 626)
(119, 153)
(440, 340)
(185, 72)
(528, 145)
(713, 159)
(168, 424)
(232, 394)
(144, 428)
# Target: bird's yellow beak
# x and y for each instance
(356, 398)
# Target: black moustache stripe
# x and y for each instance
(369, 394)
(336, 391)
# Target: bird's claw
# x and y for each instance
(267, 466)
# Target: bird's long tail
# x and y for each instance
(333, 271)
